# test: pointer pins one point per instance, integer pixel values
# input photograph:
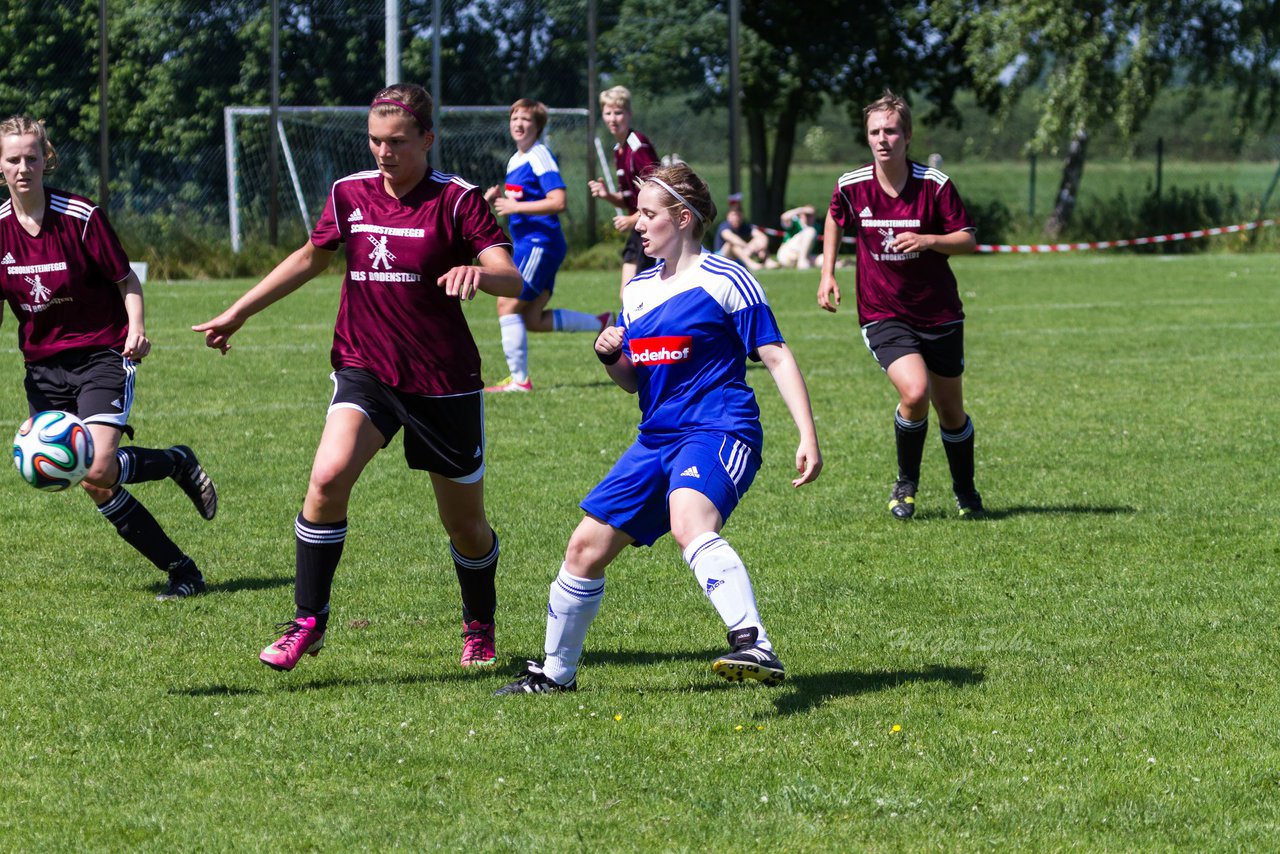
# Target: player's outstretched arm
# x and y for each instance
(609, 351)
(290, 274)
(496, 275)
(795, 394)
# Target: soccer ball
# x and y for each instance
(52, 450)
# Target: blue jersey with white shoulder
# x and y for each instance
(689, 338)
(530, 176)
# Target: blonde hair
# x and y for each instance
(25, 126)
(696, 193)
(891, 103)
(536, 108)
(618, 96)
(408, 99)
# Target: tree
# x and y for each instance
(1100, 61)
(794, 54)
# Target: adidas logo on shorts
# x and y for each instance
(356, 216)
(691, 471)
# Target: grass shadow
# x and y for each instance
(995, 514)
(810, 690)
(237, 585)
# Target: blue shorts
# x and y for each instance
(633, 495)
(538, 264)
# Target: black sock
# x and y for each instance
(910, 436)
(319, 548)
(139, 465)
(141, 530)
(477, 580)
(959, 447)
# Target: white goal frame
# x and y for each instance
(232, 114)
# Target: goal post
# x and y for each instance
(319, 145)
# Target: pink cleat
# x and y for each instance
(477, 645)
(300, 638)
(511, 384)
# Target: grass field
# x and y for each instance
(1091, 666)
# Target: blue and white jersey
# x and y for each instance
(530, 176)
(689, 338)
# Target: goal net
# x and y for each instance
(318, 145)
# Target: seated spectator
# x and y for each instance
(740, 240)
(798, 236)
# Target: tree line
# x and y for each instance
(174, 64)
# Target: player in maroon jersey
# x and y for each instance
(82, 333)
(634, 157)
(907, 219)
(403, 356)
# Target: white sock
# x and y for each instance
(572, 606)
(565, 320)
(515, 345)
(723, 577)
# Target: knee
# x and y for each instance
(915, 400)
(471, 535)
(583, 557)
(103, 473)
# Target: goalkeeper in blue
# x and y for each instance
(688, 326)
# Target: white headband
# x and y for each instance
(679, 198)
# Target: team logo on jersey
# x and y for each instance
(356, 216)
(381, 254)
(866, 212)
(662, 350)
(515, 192)
(691, 471)
(8, 259)
(886, 242)
(39, 293)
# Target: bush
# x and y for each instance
(1174, 210)
(993, 220)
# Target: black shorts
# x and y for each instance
(941, 346)
(95, 385)
(443, 435)
(633, 253)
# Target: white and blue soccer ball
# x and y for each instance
(52, 450)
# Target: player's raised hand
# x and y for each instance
(609, 341)
(462, 282)
(218, 331)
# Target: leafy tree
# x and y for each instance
(1101, 61)
(793, 55)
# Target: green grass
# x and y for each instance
(1092, 666)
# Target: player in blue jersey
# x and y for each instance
(687, 328)
(532, 200)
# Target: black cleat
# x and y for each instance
(748, 661)
(183, 583)
(902, 500)
(970, 504)
(194, 482)
(534, 681)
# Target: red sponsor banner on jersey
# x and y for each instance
(515, 191)
(663, 350)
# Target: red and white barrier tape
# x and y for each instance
(1135, 241)
(1003, 248)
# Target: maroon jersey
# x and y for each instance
(63, 283)
(917, 288)
(634, 158)
(394, 321)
